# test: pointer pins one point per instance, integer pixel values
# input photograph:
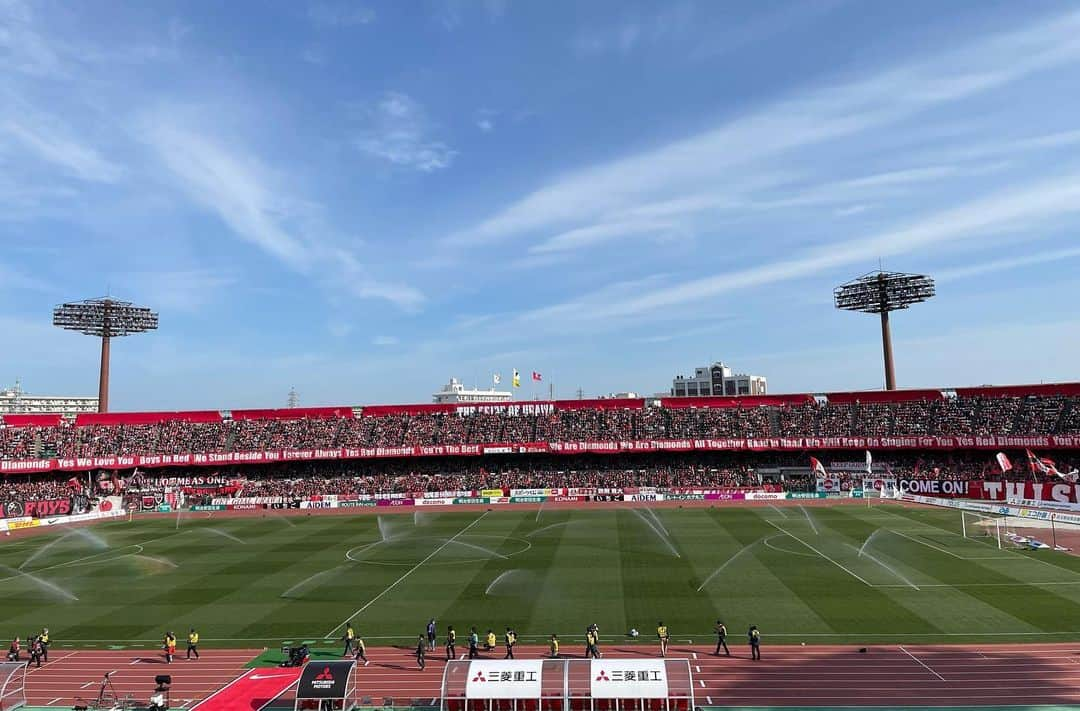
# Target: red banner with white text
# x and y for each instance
(765, 444)
(1061, 492)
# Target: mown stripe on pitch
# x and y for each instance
(843, 602)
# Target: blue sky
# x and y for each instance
(360, 200)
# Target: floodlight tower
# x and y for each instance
(883, 293)
(105, 318)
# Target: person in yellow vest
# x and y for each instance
(591, 650)
(350, 638)
(662, 635)
(510, 639)
(489, 641)
(192, 643)
(45, 643)
(451, 643)
(170, 647)
(554, 647)
(361, 651)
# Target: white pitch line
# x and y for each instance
(778, 510)
(922, 664)
(809, 520)
(708, 699)
(372, 601)
(924, 543)
(89, 683)
(54, 701)
(702, 682)
(838, 565)
(697, 669)
(695, 654)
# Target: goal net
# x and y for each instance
(984, 527)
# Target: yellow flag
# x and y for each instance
(517, 378)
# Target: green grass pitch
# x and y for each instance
(798, 574)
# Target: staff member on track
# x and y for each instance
(192, 644)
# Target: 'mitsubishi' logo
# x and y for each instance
(324, 680)
(630, 675)
(504, 677)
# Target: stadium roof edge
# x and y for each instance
(867, 396)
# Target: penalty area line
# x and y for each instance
(825, 557)
(410, 571)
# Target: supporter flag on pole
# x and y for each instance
(869, 461)
(1044, 465)
(817, 467)
(537, 377)
(516, 379)
(1004, 462)
(496, 378)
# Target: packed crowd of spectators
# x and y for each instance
(712, 470)
(943, 416)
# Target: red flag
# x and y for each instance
(537, 377)
(1004, 462)
(817, 467)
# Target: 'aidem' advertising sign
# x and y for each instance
(504, 679)
(324, 680)
(629, 679)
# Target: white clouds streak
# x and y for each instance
(600, 192)
(1029, 205)
(232, 187)
(54, 146)
(248, 198)
(397, 129)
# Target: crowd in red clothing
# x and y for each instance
(707, 470)
(948, 416)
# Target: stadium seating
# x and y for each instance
(1037, 410)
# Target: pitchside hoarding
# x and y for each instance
(629, 679)
(504, 679)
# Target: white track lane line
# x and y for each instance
(922, 664)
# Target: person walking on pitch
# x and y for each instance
(431, 634)
(349, 637)
(662, 635)
(554, 647)
(755, 643)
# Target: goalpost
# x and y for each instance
(987, 528)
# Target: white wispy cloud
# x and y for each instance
(597, 234)
(1027, 206)
(47, 140)
(396, 128)
(187, 290)
(338, 15)
(237, 188)
(260, 208)
(812, 118)
(1007, 264)
(852, 210)
(385, 341)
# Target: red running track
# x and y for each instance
(917, 675)
(71, 675)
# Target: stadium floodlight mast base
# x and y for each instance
(882, 293)
(106, 318)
